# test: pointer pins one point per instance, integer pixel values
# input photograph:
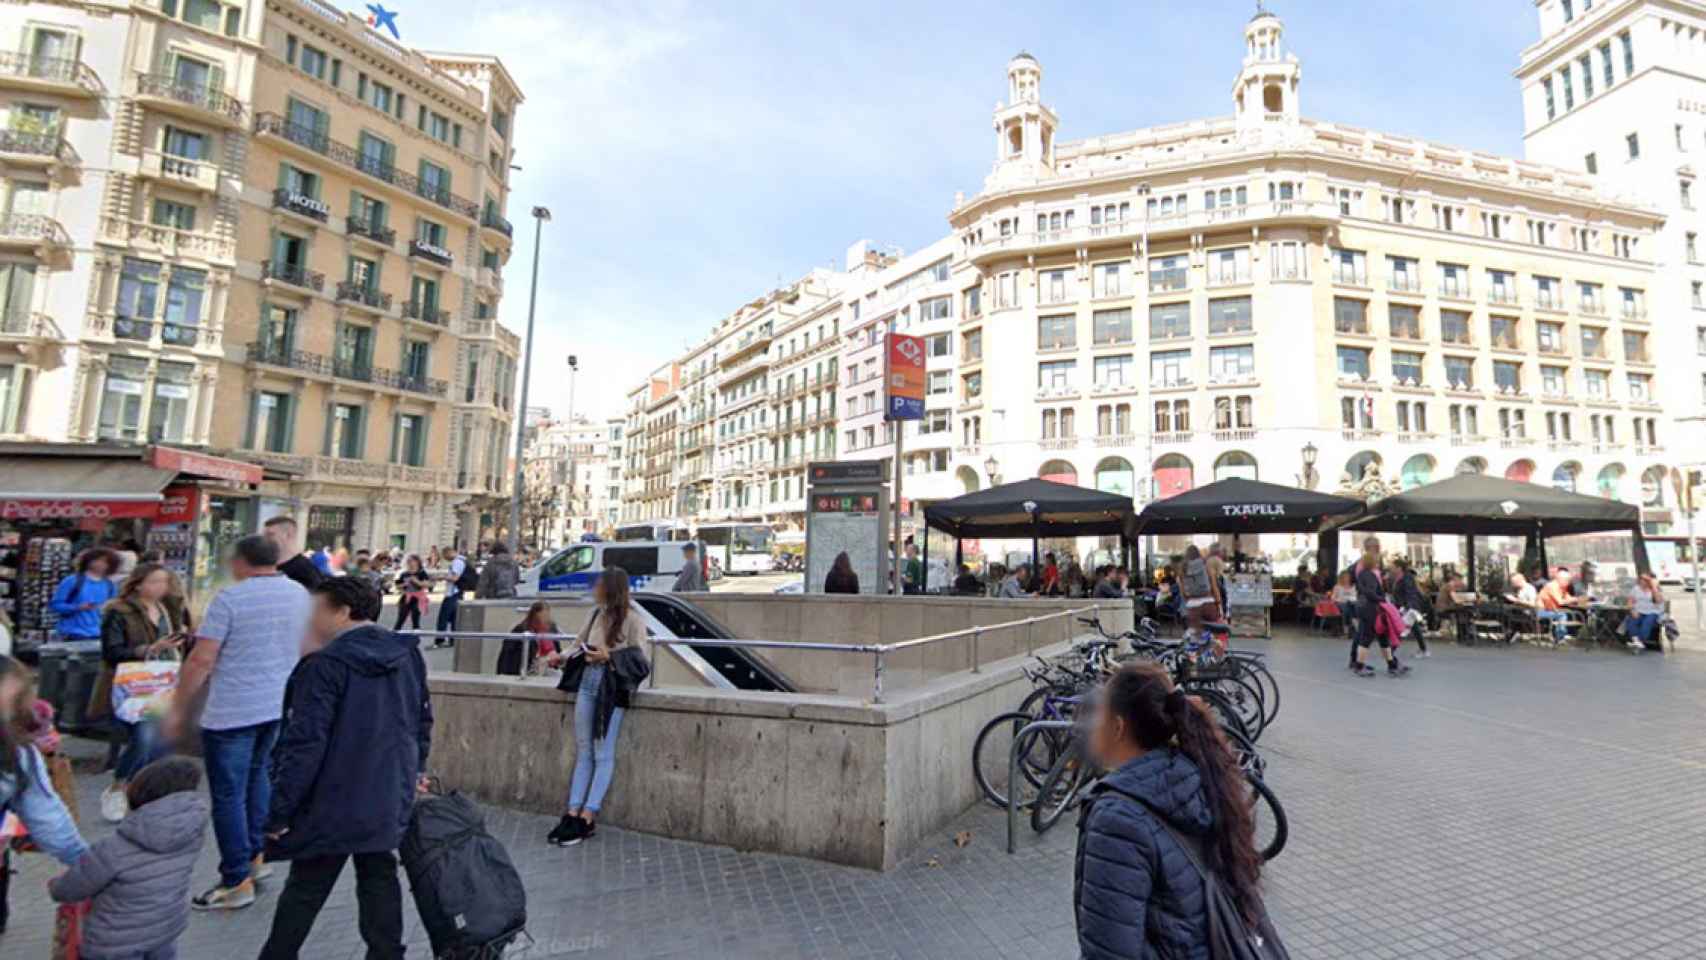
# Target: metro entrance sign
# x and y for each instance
(846, 512)
(905, 380)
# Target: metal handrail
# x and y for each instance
(1032, 728)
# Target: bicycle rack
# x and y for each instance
(1035, 726)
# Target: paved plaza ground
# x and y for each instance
(1495, 804)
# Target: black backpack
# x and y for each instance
(470, 578)
(466, 888)
(1229, 936)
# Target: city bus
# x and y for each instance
(1673, 559)
(659, 531)
(738, 547)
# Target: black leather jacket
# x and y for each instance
(623, 674)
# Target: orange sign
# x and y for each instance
(905, 377)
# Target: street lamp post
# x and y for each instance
(540, 215)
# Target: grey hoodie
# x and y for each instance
(139, 878)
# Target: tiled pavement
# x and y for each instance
(1496, 804)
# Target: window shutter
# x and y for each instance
(290, 404)
(396, 429)
(254, 414)
(216, 78)
(419, 458)
(331, 418)
(360, 428)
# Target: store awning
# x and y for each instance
(50, 489)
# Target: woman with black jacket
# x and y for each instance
(519, 654)
(1371, 593)
(1172, 780)
(841, 578)
(414, 585)
(603, 672)
(146, 619)
(1407, 595)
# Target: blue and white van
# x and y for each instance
(651, 566)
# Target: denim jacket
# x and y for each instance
(43, 814)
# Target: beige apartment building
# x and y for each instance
(1259, 295)
(267, 230)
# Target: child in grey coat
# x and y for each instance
(139, 878)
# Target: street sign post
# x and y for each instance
(904, 385)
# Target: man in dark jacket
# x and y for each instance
(357, 729)
(1136, 893)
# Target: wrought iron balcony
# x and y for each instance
(301, 204)
(426, 313)
(490, 220)
(199, 96)
(362, 227)
(273, 124)
(294, 274)
(350, 291)
(51, 70)
(431, 252)
(46, 144)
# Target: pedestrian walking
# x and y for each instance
(1197, 586)
(912, 581)
(245, 648)
(461, 579)
(79, 597)
(138, 879)
(26, 787)
(691, 579)
(841, 578)
(603, 671)
(498, 577)
(281, 530)
(357, 730)
(144, 622)
(415, 586)
(1407, 595)
(1173, 780)
(1371, 593)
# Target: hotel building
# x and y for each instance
(268, 230)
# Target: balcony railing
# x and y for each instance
(1593, 308)
(46, 143)
(276, 125)
(1503, 295)
(294, 274)
(300, 204)
(276, 355)
(51, 69)
(1404, 283)
(491, 220)
(200, 96)
(20, 322)
(33, 228)
(362, 227)
(426, 313)
(142, 331)
(349, 291)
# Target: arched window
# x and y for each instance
(1521, 471)
(968, 479)
(1472, 466)
(1235, 464)
(1174, 475)
(1059, 471)
(1610, 481)
(1356, 465)
(1653, 486)
(1115, 475)
(1565, 476)
(1418, 470)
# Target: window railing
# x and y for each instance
(1354, 276)
(276, 125)
(300, 204)
(1593, 308)
(350, 291)
(1357, 325)
(293, 273)
(1454, 288)
(364, 227)
(1503, 295)
(200, 96)
(33, 227)
(491, 220)
(1171, 278)
(45, 143)
(1405, 283)
(52, 69)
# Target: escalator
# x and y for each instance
(725, 667)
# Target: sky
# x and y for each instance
(696, 155)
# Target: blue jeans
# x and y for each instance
(594, 764)
(142, 747)
(447, 614)
(237, 784)
(1641, 627)
(1559, 621)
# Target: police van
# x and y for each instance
(651, 566)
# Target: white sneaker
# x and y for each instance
(114, 804)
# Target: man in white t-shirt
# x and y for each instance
(245, 648)
(459, 565)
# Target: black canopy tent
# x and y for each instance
(1240, 506)
(1474, 505)
(1031, 508)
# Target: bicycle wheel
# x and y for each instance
(1059, 792)
(1221, 707)
(991, 753)
(1250, 759)
(1269, 687)
(1269, 817)
(1246, 698)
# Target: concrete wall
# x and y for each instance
(830, 778)
(837, 619)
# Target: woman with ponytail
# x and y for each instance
(1137, 894)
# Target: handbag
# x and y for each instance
(142, 689)
(1230, 936)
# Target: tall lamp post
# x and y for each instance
(540, 215)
